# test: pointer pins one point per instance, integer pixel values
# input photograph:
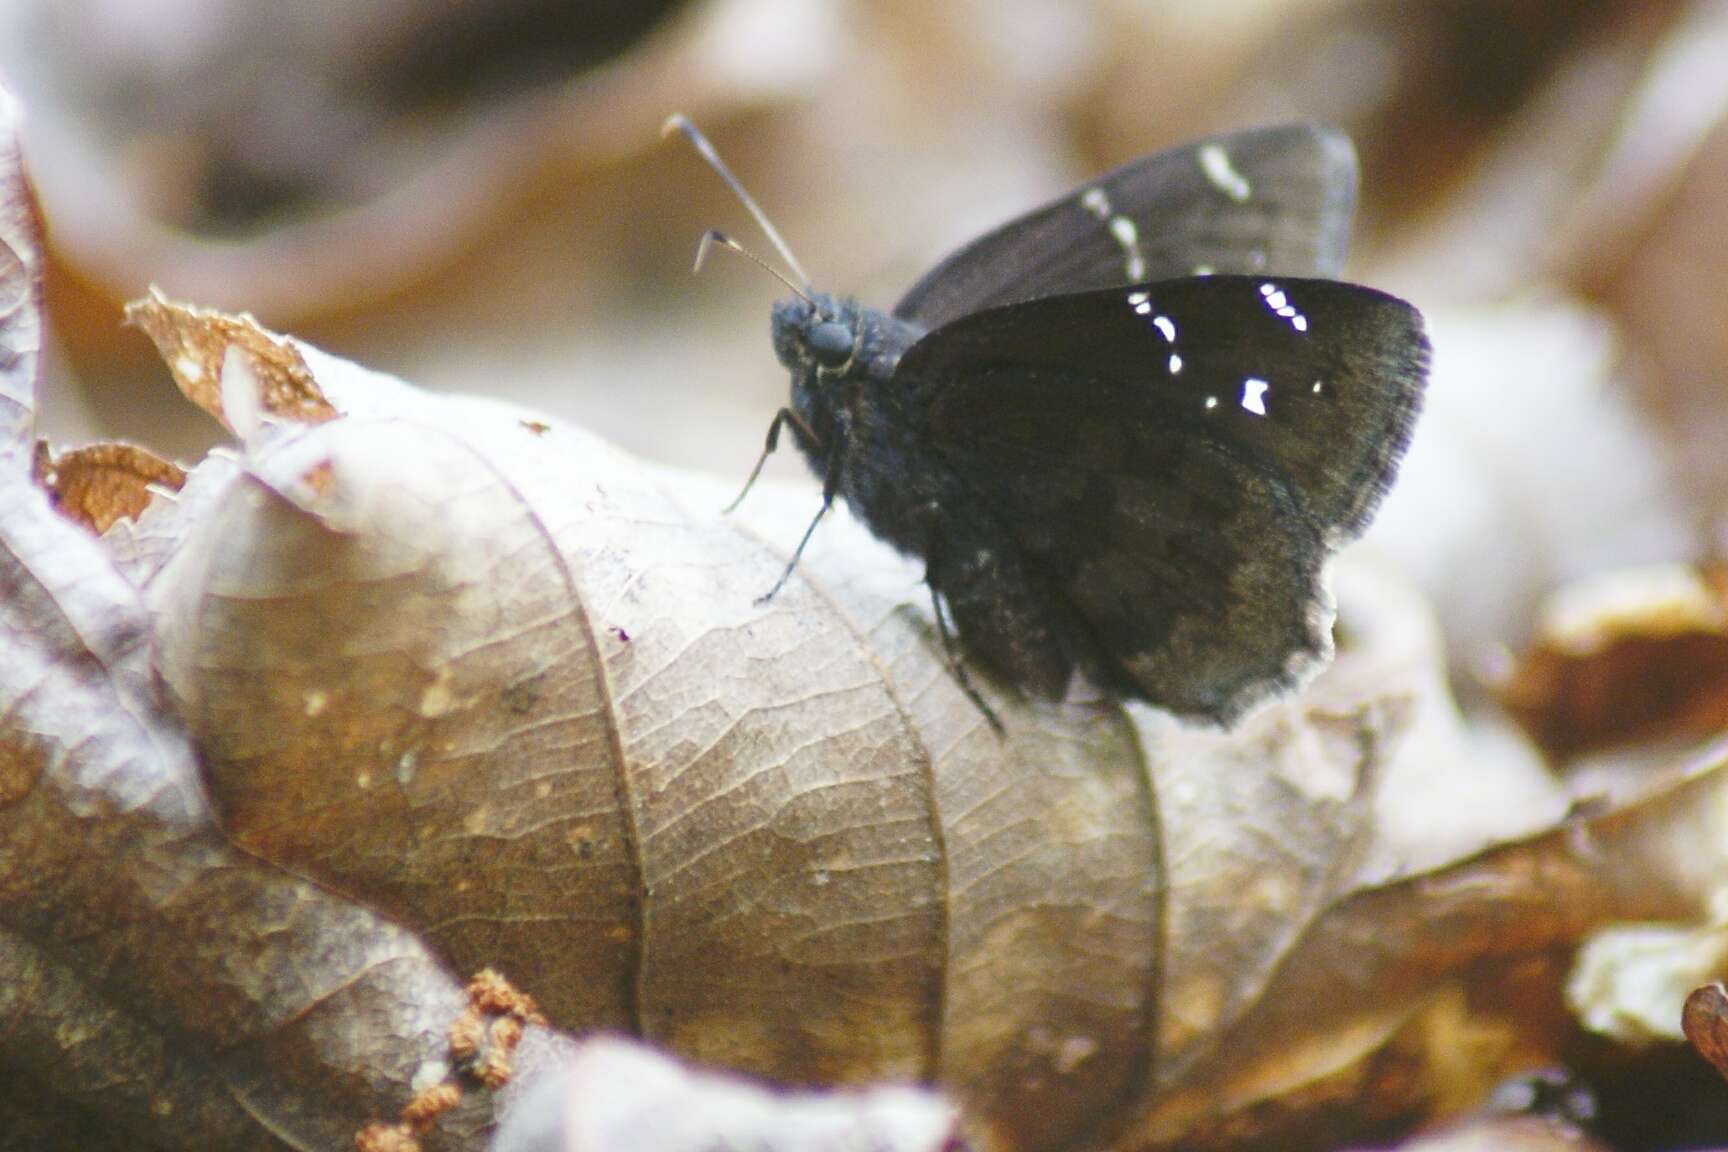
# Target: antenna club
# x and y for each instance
(714, 237)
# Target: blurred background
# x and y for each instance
(476, 197)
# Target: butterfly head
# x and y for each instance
(817, 336)
(841, 356)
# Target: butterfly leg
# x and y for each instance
(830, 486)
(957, 662)
(781, 418)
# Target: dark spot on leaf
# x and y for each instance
(523, 696)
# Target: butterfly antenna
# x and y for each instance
(678, 122)
(712, 237)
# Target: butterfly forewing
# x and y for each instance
(1273, 200)
(1177, 459)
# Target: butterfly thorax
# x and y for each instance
(842, 358)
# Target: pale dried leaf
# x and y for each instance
(140, 546)
(1630, 981)
(113, 866)
(617, 1096)
(20, 292)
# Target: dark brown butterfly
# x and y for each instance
(1125, 431)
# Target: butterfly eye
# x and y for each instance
(830, 343)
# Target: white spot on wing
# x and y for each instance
(1122, 229)
(1282, 308)
(1175, 364)
(1215, 163)
(1167, 326)
(1128, 236)
(1254, 395)
(1211, 403)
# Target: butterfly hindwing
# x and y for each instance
(1269, 200)
(1174, 461)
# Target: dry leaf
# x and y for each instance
(99, 485)
(1705, 1020)
(1629, 980)
(160, 989)
(1634, 656)
(512, 688)
(198, 352)
(115, 874)
(612, 1095)
(20, 291)
(453, 732)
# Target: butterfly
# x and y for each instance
(1125, 431)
